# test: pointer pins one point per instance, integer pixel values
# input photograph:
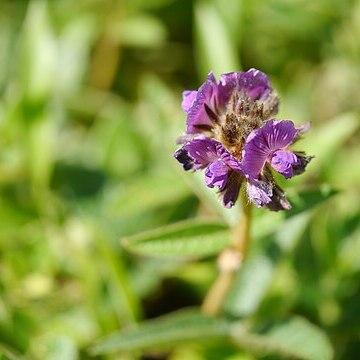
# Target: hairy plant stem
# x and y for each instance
(229, 262)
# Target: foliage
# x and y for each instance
(89, 115)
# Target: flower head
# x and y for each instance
(230, 134)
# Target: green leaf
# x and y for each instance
(59, 347)
(329, 136)
(307, 200)
(40, 151)
(216, 50)
(39, 53)
(166, 190)
(294, 338)
(193, 238)
(232, 14)
(164, 332)
(268, 223)
(325, 140)
(139, 30)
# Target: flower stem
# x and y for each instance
(229, 262)
(242, 232)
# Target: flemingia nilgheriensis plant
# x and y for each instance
(230, 133)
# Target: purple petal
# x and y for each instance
(263, 142)
(217, 174)
(283, 162)
(222, 169)
(205, 106)
(255, 83)
(231, 161)
(198, 118)
(189, 97)
(228, 84)
(279, 133)
(231, 191)
(201, 151)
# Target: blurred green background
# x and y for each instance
(89, 116)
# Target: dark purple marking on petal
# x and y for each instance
(197, 114)
(231, 191)
(203, 128)
(212, 116)
(202, 151)
(302, 162)
(253, 82)
(182, 156)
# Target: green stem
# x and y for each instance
(229, 262)
(242, 232)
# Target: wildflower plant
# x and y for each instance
(106, 252)
(232, 135)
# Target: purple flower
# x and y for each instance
(269, 145)
(207, 107)
(223, 171)
(229, 134)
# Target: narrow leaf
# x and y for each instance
(165, 191)
(193, 238)
(216, 49)
(164, 332)
(325, 140)
(293, 338)
(139, 30)
(307, 200)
